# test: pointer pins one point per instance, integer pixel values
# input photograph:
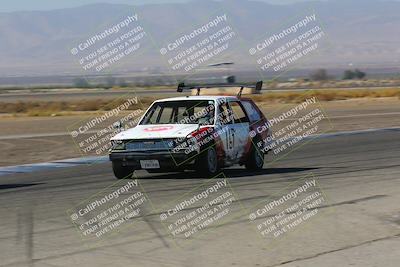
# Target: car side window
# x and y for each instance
(251, 111)
(239, 115)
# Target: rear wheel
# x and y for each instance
(121, 172)
(207, 162)
(255, 161)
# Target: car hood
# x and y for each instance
(156, 131)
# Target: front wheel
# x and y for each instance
(121, 172)
(208, 162)
(255, 161)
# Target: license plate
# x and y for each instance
(150, 164)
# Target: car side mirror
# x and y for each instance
(118, 126)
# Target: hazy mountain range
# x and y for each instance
(365, 33)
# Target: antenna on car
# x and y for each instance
(258, 86)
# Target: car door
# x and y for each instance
(226, 132)
(240, 127)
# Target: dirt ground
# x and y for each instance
(41, 139)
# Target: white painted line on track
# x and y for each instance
(27, 168)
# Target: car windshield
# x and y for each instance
(181, 112)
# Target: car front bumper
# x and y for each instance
(166, 159)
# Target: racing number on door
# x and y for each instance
(236, 127)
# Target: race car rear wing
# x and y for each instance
(257, 87)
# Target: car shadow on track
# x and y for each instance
(12, 186)
(229, 173)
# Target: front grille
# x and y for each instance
(143, 145)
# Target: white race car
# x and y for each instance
(204, 133)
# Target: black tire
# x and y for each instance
(207, 162)
(121, 172)
(255, 162)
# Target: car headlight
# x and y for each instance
(181, 144)
(117, 145)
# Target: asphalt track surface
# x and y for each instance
(357, 225)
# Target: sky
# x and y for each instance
(29, 5)
(19, 5)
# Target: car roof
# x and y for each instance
(198, 97)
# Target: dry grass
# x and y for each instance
(57, 108)
(324, 95)
(60, 108)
